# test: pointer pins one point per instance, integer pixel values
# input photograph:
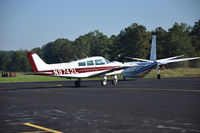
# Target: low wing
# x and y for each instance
(177, 60)
(114, 69)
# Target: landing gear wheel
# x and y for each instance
(114, 82)
(158, 76)
(124, 78)
(104, 83)
(78, 83)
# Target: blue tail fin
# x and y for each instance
(153, 48)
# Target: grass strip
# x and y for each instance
(168, 73)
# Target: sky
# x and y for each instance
(27, 24)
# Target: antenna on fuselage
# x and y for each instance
(60, 60)
(76, 57)
(84, 54)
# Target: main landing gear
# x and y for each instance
(103, 83)
(114, 82)
(78, 82)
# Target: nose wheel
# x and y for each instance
(104, 82)
(158, 74)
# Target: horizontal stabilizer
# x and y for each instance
(138, 59)
(170, 58)
(177, 60)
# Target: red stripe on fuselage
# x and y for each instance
(76, 70)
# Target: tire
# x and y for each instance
(158, 76)
(77, 83)
(103, 83)
(114, 82)
(124, 78)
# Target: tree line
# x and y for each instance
(133, 41)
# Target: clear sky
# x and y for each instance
(26, 24)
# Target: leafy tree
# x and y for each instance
(82, 46)
(179, 41)
(114, 50)
(161, 42)
(134, 42)
(58, 50)
(99, 44)
(4, 61)
(18, 61)
(195, 37)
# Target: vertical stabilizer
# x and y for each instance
(153, 48)
(36, 62)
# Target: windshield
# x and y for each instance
(107, 61)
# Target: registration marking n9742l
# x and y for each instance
(65, 71)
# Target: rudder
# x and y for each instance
(153, 48)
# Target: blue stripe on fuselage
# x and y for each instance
(140, 70)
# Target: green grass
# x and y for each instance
(29, 78)
(176, 72)
(168, 73)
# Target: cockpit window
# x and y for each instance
(90, 62)
(82, 64)
(99, 62)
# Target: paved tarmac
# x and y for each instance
(170, 105)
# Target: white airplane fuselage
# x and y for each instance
(83, 68)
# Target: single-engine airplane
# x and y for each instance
(145, 66)
(83, 68)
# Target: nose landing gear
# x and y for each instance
(104, 82)
(158, 74)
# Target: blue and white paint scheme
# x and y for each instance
(144, 67)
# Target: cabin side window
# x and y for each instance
(90, 62)
(81, 64)
(99, 62)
